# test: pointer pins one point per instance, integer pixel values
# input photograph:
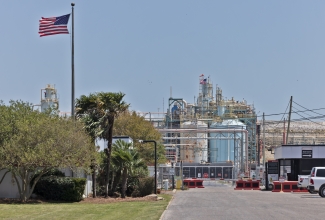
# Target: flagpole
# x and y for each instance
(72, 64)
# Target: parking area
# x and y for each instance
(223, 202)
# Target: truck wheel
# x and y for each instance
(322, 191)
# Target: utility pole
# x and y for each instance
(263, 138)
(288, 130)
(258, 128)
(182, 178)
(173, 180)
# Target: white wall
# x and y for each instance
(8, 187)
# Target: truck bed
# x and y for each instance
(303, 181)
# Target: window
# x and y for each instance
(320, 173)
(186, 172)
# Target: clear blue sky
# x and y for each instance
(263, 51)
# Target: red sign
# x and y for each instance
(205, 175)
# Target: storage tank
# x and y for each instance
(221, 110)
(194, 149)
(222, 148)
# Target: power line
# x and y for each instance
(311, 120)
(282, 115)
(296, 120)
(304, 113)
(292, 112)
(306, 108)
(307, 114)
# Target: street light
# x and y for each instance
(152, 141)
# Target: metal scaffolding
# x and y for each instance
(188, 130)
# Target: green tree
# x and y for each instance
(127, 160)
(138, 128)
(101, 109)
(31, 141)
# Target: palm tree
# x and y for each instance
(101, 109)
(116, 176)
(127, 160)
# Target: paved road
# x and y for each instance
(223, 202)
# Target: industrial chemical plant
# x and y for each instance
(218, 137)
(213, 131)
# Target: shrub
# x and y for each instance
(145, 187)
(61, 188)
(132, 183)
(52, 172)
(135, 193)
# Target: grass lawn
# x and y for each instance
(119, 210)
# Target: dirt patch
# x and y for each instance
(17, 201)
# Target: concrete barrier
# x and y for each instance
(287, 186)
(193, 183)
(247, 185)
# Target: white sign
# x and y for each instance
(282, 179)
(285, 169)
(272, 177)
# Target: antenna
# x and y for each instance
(171, 92)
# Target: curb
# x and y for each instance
(162, 215)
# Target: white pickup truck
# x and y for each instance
(303, 182)
(317, 180)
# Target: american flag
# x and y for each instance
(53, 25)
(203, 81)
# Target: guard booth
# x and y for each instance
(271, 173)
(294, 160)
